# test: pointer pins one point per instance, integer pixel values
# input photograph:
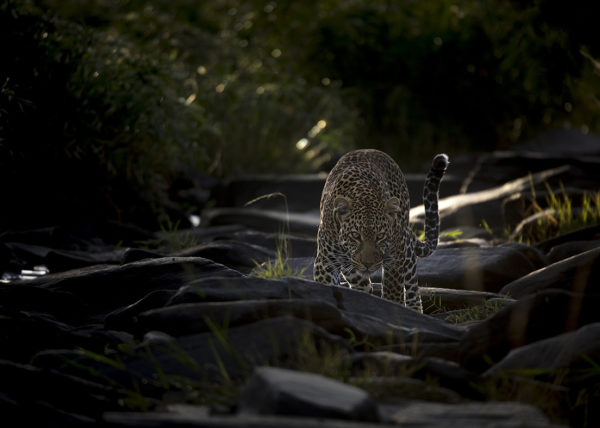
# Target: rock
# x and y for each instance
(198, 234)
(579, 273)
(125, 318)
(26, 333)
(570, 249)
(562, 369)
(576, 351)
(338, 310)
(470, 316)
(222, 354)
(471, 209)
(386, 389)
(532, 318)
(303, 192)
(192, 318)
(437, 300)
(28, 255)
(104, 288)
(198, 418)
(271, 221)
(288, 192)
(49, 398)
(278, 391)
(488, 414)
(368, 314)
(297, 245)
(497, 168)
(240, 256)
(63, 306)
(433, 370)
(523, 205)
(590, 233)
(472, 268)
(485, 269)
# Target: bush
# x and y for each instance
(107, 105)
(87, 129)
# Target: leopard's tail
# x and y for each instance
(430, 200)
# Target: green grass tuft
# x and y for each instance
(561, 214)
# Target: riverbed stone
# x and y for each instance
(579, 273)
(278, 391)
(529, 319)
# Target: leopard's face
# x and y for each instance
(365, 230)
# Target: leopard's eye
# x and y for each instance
(355, 235)
(380, 236)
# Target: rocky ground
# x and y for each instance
(176, 329)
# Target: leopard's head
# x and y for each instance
(365, 229)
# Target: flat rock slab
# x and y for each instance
(237, 255)
(278, 391)
(481, 269)
(355, 306)
(579, 273)
(222, 353)
(570, 249)
(475, 268)
(499, 167)
(200, 419)
(471, 209)
(192, 318)
(273, 221)
(431, 370)
(576, 350)
(590, 233)
(530, 319)
(477, 414)
(50, 398)
(296, 245)
(26, 333)
(437, 300)
(105, 288)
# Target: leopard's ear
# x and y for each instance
(341, 206)
(392, 207)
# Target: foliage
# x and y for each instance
(279, 267)
(559, 213)
(475, 313)
(104, 105)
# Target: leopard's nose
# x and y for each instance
(368, 265)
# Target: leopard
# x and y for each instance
(364, 226)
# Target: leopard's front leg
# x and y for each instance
(359, 281)
(399, 281)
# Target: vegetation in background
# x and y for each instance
(106, 106)
(560, 213)
(280, 266)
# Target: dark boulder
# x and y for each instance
(530, 319)
(103, 288)
(579, 273)
(277, 391)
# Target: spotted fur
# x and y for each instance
(364, 225)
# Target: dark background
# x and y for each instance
(113, 109)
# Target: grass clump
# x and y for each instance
(475, 313)
(561, 212)
(280, 266)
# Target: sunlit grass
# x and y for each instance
(280, 266)
(559, 216)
